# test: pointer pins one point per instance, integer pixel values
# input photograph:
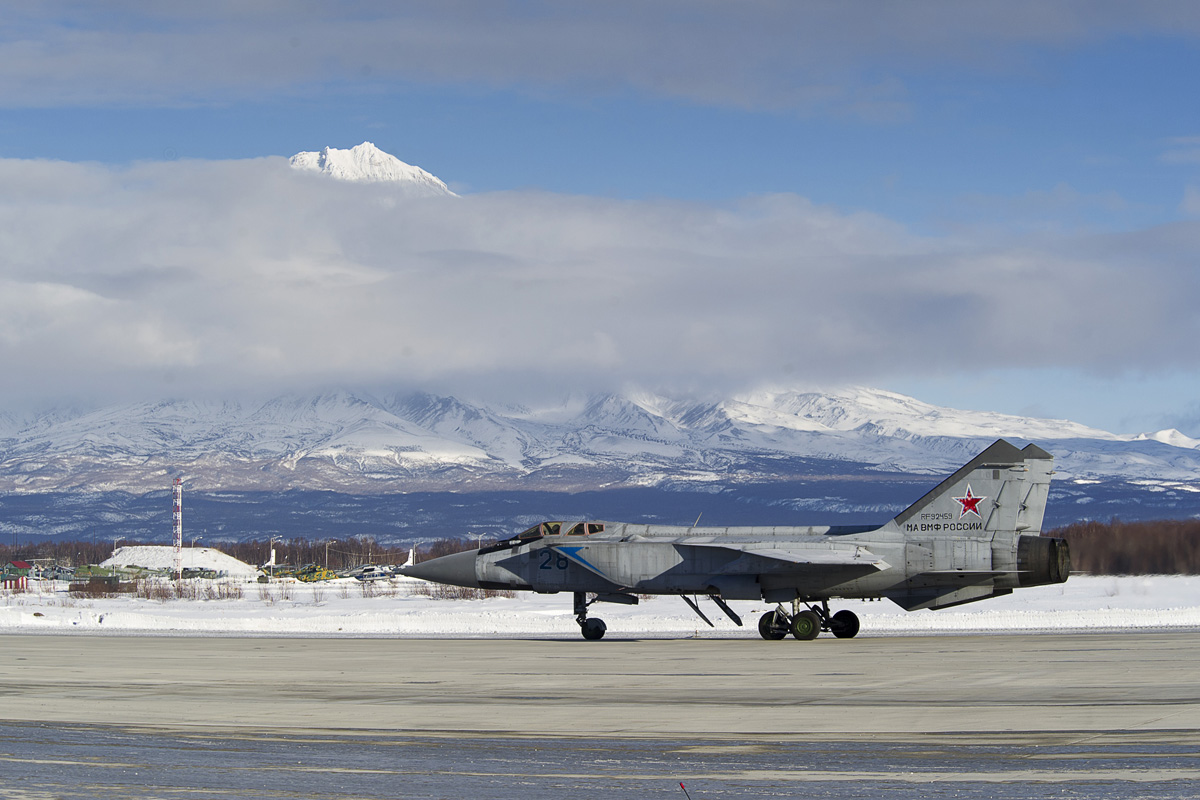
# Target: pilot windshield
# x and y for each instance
(556, 529)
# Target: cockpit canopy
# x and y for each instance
(559, 528)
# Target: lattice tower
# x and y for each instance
(177, 524)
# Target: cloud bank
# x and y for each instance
(841, 58)
(247, 276)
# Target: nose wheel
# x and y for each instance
(806, 624)
(592, 628)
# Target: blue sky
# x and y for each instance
(1063, 138)
(1099, 119)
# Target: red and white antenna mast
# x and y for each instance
(177, 525)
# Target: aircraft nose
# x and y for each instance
(456, 569)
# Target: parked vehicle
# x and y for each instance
(376, 573)
(312, 573)
(57, 573)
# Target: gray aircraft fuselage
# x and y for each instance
(976, 535)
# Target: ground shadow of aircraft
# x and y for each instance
(976, 535)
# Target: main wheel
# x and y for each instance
(844, 624)
(806, 625)
(769, 629)
(593, 628)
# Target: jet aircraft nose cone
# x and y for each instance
(456, 569)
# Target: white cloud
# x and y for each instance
(243, 276)
(1182, 150)
(1051, 210)
(835, 57)
(1191, 201)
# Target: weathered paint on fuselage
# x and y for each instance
(975, 535)
(648, 559)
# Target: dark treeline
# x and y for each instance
(1164, 547)
(58, 552)
(335, 554)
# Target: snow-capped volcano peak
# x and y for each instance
(1170, 436)
(367, 163)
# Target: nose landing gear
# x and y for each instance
(592, 628)
(806, 624)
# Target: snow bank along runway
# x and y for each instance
(397, 608)
(1102, 715)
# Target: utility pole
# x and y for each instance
(116, 539)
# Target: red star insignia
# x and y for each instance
(970, 503)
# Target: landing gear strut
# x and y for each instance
(591, 627)
(806, 624)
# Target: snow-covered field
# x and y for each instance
(347, 607)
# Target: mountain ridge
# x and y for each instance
(354, 441)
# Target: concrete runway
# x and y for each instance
(1020, 689)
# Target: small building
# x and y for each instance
(15, 576)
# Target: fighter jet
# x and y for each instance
(974, 536)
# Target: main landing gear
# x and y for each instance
(806, 624)
(591, 627)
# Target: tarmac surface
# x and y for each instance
(891, 686)
(1092, 715)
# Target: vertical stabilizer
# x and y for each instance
(1001, 489)
(977, 534)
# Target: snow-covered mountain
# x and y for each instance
(364, 443)
(367, 163)
(411, 467)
